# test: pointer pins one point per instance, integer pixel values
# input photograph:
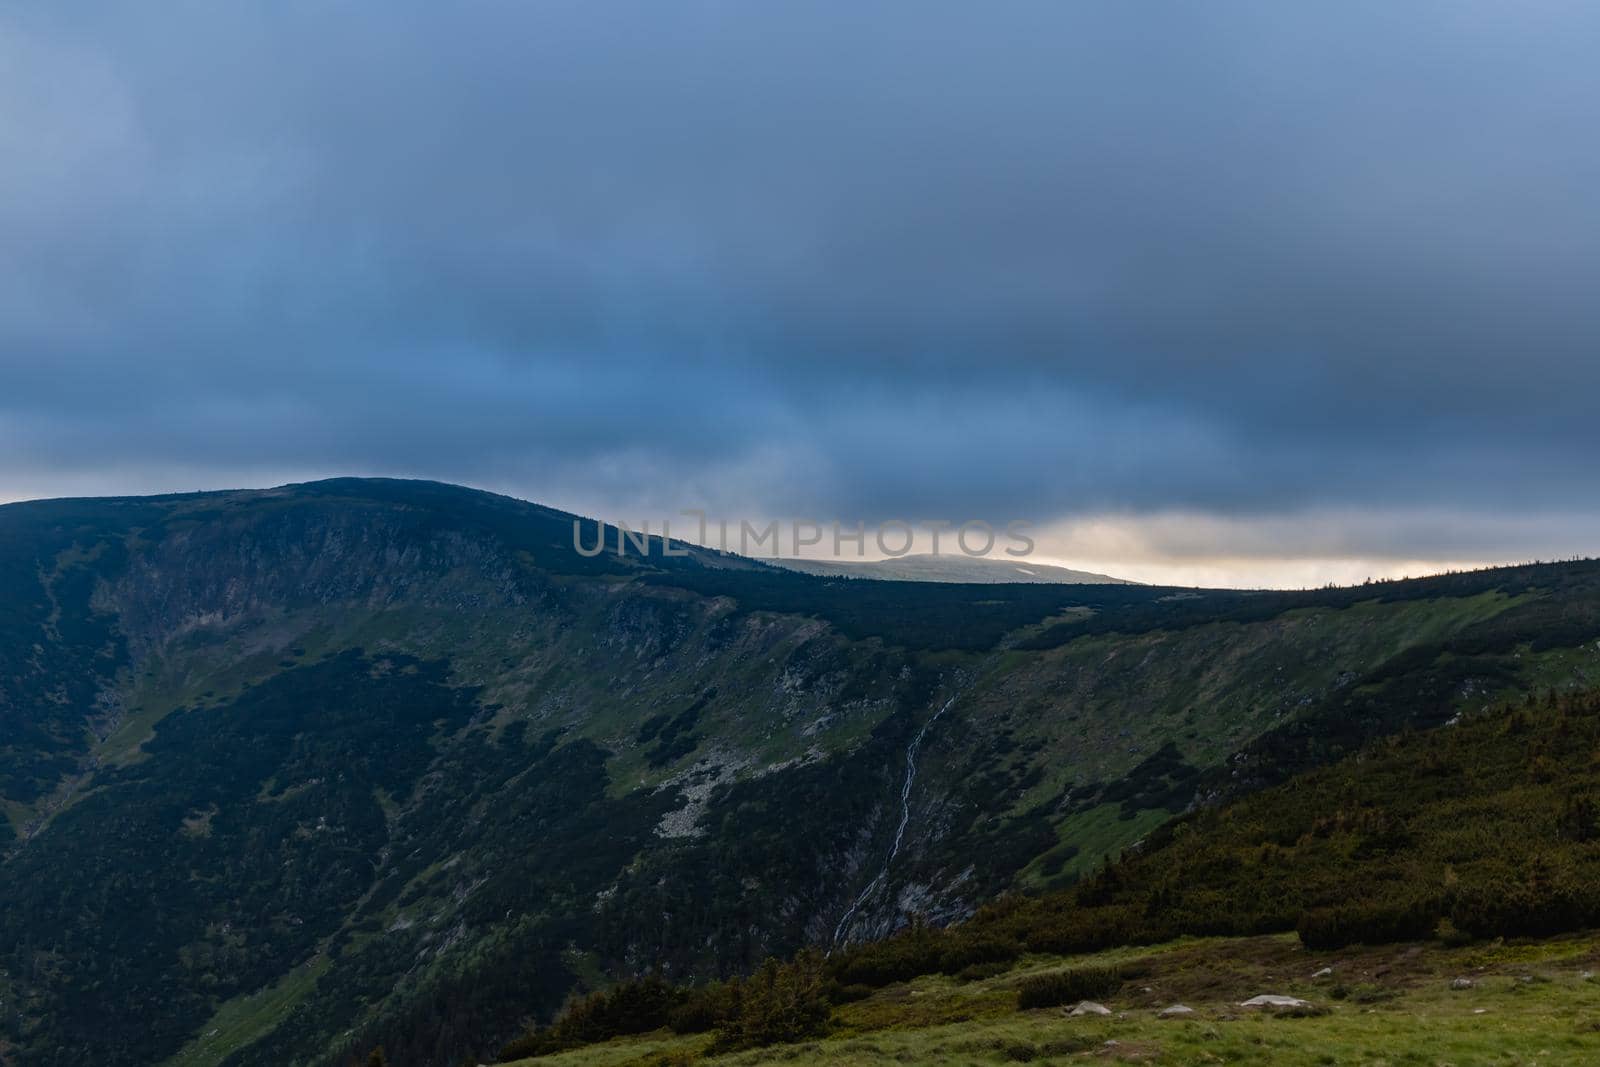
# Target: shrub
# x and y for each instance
(780, 1003)
(1377, 922)
(1088, 930)
(1453, 937)
(635, 1007)
(1067, 987)
(964, 950)
(848, 994)
(1579, 820)
(915, 951)
(1548, 895)
(977, 972)
(705, 1008)
(524, 1047)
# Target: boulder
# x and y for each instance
(1461, 983)
(1274, 1000)
(1176, 1011)
(1089, 1007)
(1326, 972)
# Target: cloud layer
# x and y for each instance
(1245, 263)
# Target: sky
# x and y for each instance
(1222, 293)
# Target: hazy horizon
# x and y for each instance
(1090, 549)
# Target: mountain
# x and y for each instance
(927, 567)
(290, 773)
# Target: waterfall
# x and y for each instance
(899, 831)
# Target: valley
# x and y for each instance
(369, 762)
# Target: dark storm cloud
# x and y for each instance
(1018, 260)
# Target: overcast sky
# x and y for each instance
(1227, 292)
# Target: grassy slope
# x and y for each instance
(1388, 1005)
(249, 1017)
(1492, 824)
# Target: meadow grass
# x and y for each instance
(1530, 1003)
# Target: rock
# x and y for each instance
(1326, 972)
(1176, 1011)
(1461, 983)
(1480, 1011)
(1274, 1000)
(1089, 1007)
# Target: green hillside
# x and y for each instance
(1529, 1003)
(291, 773)
(1424, 898)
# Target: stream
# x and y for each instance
(900, 831)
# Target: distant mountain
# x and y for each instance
(290, 773)
(965, 570)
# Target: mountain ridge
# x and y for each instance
(943, 567)
(605, 765)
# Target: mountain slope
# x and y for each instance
(1451, 841)
(291, 772)
(977, 570)
(1490, 825)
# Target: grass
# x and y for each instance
(1530, 1004)
(1095, 706)
(243, 1019)
(1097, 833)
